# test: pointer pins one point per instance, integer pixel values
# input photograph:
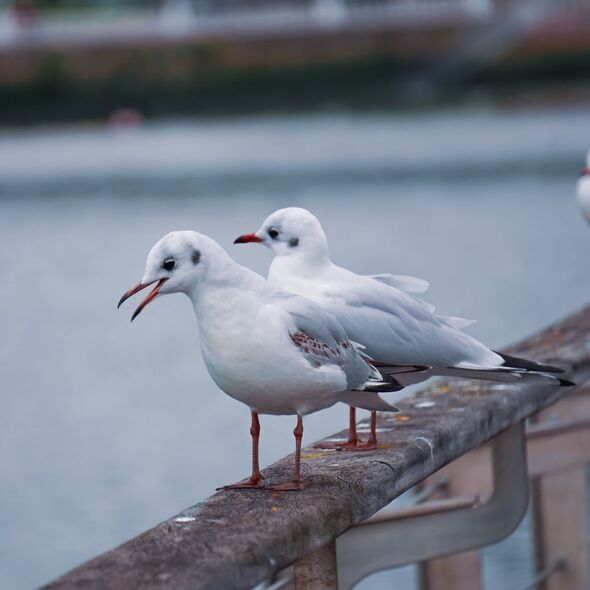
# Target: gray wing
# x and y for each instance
(322, 340)
(399, 328)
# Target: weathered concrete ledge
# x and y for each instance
(239, 538)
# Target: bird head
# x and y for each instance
(290, 231)
(177, 263)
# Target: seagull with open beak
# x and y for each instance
(276, 352)
(382, 313)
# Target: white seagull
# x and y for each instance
(276, 352)
(380, 312)
(583, 189)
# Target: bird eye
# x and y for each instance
(273, 233)
(169, 264)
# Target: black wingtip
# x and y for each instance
(387, 385)
(515, 362)
(391, 369)
(566, 383)
(551, 369)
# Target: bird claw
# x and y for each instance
(370, 445)
(256, 484)
(246, 484)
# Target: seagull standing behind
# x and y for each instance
(276, 352)
(381, 312)
(583, 189)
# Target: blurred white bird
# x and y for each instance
(278, 353)
(380, 312)
(583, 189)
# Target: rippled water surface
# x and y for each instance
(106, 428)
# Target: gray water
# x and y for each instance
(107, 428)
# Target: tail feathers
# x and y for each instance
(413, 374)
(504, 375)
(367, 400)
(513, 370)
(514, 362)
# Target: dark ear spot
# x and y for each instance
(196, 256)
(294, 242)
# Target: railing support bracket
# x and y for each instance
(404, 536)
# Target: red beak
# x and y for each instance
(585, 172)
(136, 289)
(246, 238)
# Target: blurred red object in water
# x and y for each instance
(25, 14)
(125, 118)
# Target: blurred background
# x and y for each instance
(438, 138)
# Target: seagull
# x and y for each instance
(583, 189)
(381, 312)
(274, 351)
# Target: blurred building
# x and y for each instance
(66, 60)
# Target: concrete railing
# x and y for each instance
(238, 539)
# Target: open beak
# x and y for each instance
(136, 289)
(247, 238)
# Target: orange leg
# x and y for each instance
(371, 443)
(255, 480)
(297, 483)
